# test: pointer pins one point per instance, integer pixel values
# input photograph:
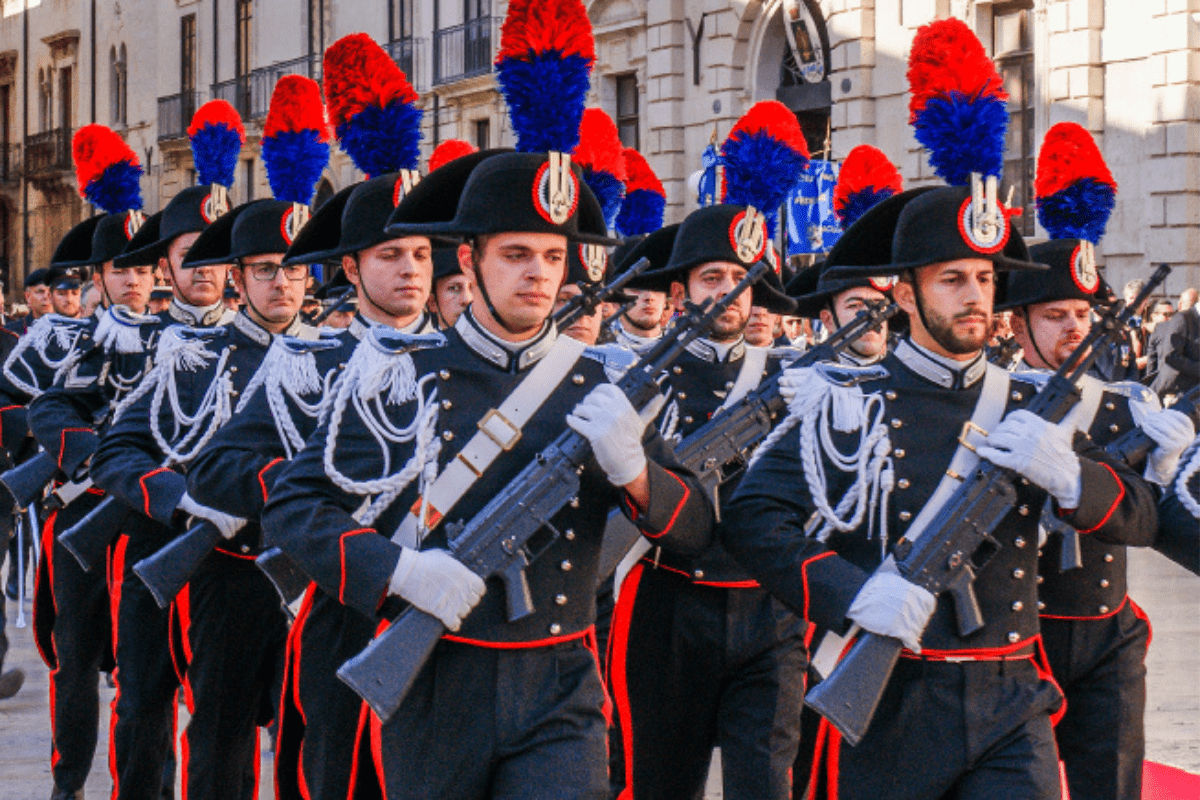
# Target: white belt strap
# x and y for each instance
(499, 430)
(989, 410)
(748, 377)
(1090, 390)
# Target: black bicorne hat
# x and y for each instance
(1072, 276)
(251, 229)
(319, 239)
(190, 211)
(75, 249)
(445, 262)
(436, 197)
(520, 193)
(59, 277)
(113, 235)
(867, 242)
(37, 277)
(655, 246)
(727, 233)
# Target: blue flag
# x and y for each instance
(812, 227)
(710, 181)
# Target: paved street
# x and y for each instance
(1170, 596)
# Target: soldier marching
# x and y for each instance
(552, 515)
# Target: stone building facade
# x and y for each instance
(673, 73)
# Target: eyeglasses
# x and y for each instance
(266, 271)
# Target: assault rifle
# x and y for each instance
(957, 543)
(25, 483)
(169, 568)
(720, 446)
(89, 538)
(591, 296)
(498, 541)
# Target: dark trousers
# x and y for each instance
(228, 640)
(1100, 665)
(73, 630)
(18, 542)
(493, 723)
(318, 714)
(692, 667)
(959, 731)
(145, 711)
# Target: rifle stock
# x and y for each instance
(167, 571)
(288, 579)
(26, 483)
(89, 538)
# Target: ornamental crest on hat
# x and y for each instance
(594, 258)
(292, 221)
(982, 220)
(405, 181)
(214, 204)
(1083, 267)
(748, 235)
(133, 222)
(556, 189)
(882, 283)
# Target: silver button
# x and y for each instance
(899, 452)
(577, 379)
(905, 516)
(1018, 396)
(1041, 606)
(903, 483)
(448, 436)
(896, 423)
(1023, 511)
(444, 374)
(245, 548)
(232, 370)
(1110, 405)
(1041, 579)
(683, 395)
(1108, 558)
(1018, 573)
(688, 420)
(890, 394)
(1018, 605)
(1013, 637)
(1019, 542)
(446, 405)
(233, 393)
(569, 535)
(1114, 427)
(677, 370)
(555, 629)
(728, 385)
(560, 599)
(1103, 609)
(698, 574)
(1104, 583)
(574, 503)
(566, 565)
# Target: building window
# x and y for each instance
(476, 9)
(1012, 49)
(402, 19)
(317, 11)
(187, 54)
(66, 112)
(245, 29)
(627, 110)
(44, 95)
(249, 179)
(483, 132)
(119, 78)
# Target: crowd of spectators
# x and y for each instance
(1165, 338)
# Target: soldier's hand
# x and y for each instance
(890, 605)
(609, 421)
(1173, 431)
(1040, 451)
(438, 584)
(227, 524)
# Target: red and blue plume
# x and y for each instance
(645, 199)
(295, 142)
(867, 177)
(217, 136)
(372, 106)
(449, 150)
(764, 157)
(1075, 191)
(107, 169)
(958, 108)
(544, 68)
(602, 160)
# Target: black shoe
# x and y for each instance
(63, 794)
(10, 683)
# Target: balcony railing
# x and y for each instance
(48, 153)
(236, 92)
(175, 114)
(464, 51)
(10, 163)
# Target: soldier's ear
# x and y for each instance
(905, 296)
(677, 295)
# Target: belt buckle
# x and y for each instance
(967, 427)
(514, 431)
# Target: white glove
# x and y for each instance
(438, 584)
(1173, 431)
(227, 524)
(609, 421)
(1040, 451)
(890, 605)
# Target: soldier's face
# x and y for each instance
(646, 314)
(587, 328)
(1049, 332)
(275, 302)
(66, 301)
(128, 286)
(713, 281)
(394, 278)
(760, 328)
(198, 286)
(521, 273)
(38, 300)
(450, 296)
(845, 307)
(955, 298)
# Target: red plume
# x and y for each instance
(599, 144)
(639, 174)
(296, 106)
(948, 57)
(449, 150)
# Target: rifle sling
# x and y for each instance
(750, 375)
(499, 429)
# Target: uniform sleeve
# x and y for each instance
(763, 528)
(62, 421)
(235, 471)
(680, 515)
(1115, 504)
(128, 465)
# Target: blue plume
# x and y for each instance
(609, 191)
(215, 150)
(860, 202)
(118, 189)
(777, 170)
(294, 161)
(542, 123)
(381, 140)
(641, 212)
(963, 135)
(1080, 211)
